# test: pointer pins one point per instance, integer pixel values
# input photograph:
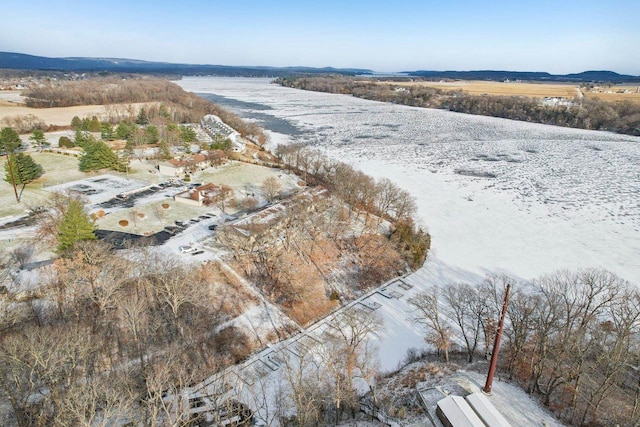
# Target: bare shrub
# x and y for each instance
(22, 255)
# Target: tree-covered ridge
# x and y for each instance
(21, 61)
(623, 117)
(179, 106)
(498, 76)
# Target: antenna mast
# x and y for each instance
(496, 345)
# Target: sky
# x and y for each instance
(559, 36)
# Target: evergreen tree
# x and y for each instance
(97, 155)
(20, 169)
(82, 137)
(125, 129)
(163, 150)
(106, 132)
(94, 125)
(151, 135)
(66, 142)
(9, 142)
(221, 143)
(74, 227)
(164, 112)
(187, 134)
(142, 118)
(76, 123)
(38, 139)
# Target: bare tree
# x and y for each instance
(350, 355)
(468, 308)
(135, 215)
(304, 379)
(100, 401)
(267, 396)
(159, 214)
(224, 193)
(429, 313)
(22, 255)
(133, 314)
(39, 368)
(271, 187)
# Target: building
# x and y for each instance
(198, 196)
(454, 411)
(178, 168)
(214, 126)
(474, 410)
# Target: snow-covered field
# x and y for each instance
(496, 195)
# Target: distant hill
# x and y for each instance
(20, 61)
(586, 76)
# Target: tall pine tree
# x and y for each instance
(9, 142)
(21, 169)
(97, 155)
(74, 227)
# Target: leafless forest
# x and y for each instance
(571, 338)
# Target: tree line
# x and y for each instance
(571, 338)
(363, 195)
(180, 106)
(620, 117)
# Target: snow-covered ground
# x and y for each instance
(496, 195)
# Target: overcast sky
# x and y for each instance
(559, 36)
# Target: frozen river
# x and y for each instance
(496, 195)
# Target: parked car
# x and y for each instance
(213, 226)
(172, 229)
(186, 249)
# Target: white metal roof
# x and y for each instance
(459, 413)
(486, 411)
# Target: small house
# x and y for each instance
(198, 196)
(178, 168)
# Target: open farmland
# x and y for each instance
(497, 195)
(61, 116)
(474, 87)
(11, 98)
(615, 93)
